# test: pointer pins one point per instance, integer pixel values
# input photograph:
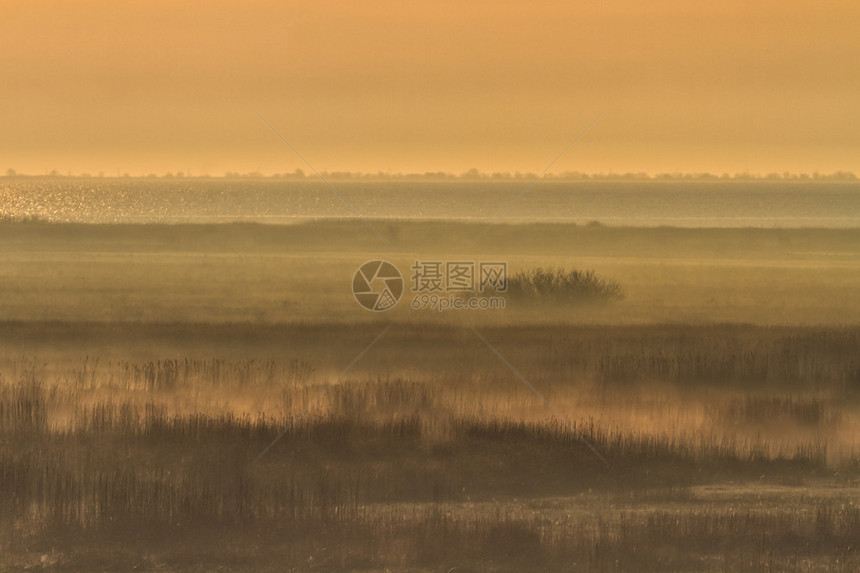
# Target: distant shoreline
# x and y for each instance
(438, 177)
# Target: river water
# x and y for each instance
(622, 203)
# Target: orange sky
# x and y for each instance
(406, 86)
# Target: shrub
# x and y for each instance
(564, 286)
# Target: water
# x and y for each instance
(641, 203)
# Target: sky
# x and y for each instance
(413, 86)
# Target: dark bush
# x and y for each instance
(563, 285)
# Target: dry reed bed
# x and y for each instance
(151, 463)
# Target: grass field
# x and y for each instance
(187, 398)
(272, 274)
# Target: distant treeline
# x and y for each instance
(472, 175)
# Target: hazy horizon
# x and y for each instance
(470, 174)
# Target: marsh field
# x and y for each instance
(211, 397)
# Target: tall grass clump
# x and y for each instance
(561, 285)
